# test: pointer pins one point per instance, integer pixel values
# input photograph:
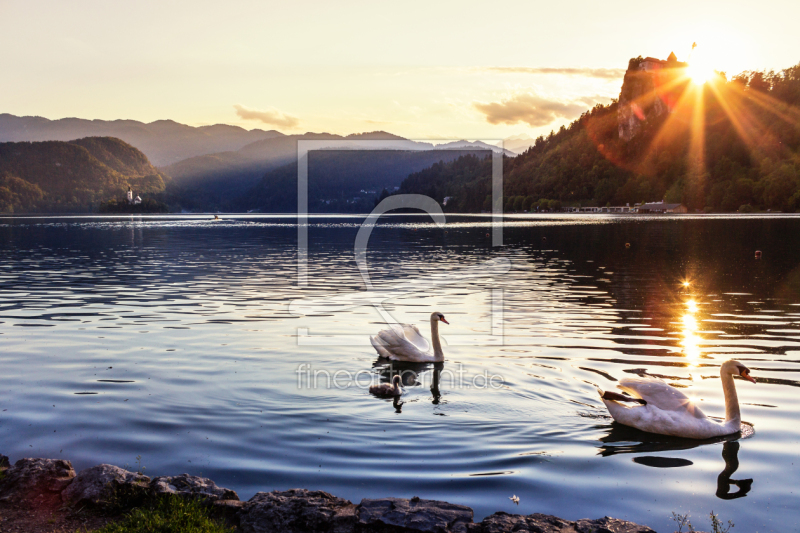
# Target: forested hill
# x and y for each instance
(57, 176)
(722, 146)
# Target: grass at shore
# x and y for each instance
(168, 515)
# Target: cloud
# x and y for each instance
(270, 116)
(531, 109)
(603, 73)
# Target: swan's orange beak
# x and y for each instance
(445, 321)
(749, 378)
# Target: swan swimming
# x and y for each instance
(385, 389)
(663, 409)
(404, 342)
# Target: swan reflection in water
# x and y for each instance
(411, 375)
(624, 439)
(730, 452)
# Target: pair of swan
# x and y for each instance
(653, 405)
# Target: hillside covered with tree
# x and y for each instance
(721, 146)
(75, 176)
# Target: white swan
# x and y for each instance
(663, 409)
(386, 389)
(404, 342)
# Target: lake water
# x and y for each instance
(173, 340)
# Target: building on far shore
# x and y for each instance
(131, 199)
(648, 208)
(662, 207)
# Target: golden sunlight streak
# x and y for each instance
(691, 341)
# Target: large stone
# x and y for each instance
(610, 525)
(227, 511)
(297, 511)
(191, 486)
(35, 479)
(541, 523)
(402, 515)
(106, 485)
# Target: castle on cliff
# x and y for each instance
(651, 87)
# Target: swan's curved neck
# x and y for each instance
(437, 345)
(732, 414)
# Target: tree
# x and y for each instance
(780, 185)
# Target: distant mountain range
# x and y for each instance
(343, 180)
(164, 141)
(518, 143)
(214, 181)
(225, 167)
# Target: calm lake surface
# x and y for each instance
(173, 339)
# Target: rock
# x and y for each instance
(542, 523)
(609, 525)
(536, 523)
(191, 486)
(3, 462)
(35, 479)
(297, 510)
(401, 515)
(106, 486)
(227, 511)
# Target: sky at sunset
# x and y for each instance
(424, 70)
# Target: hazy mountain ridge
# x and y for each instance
(163, 141)
(342, 180)
(72, 176)
(518, 143)
(218, 181)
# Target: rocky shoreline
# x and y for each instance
(53, 486)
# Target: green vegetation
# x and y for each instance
(17, 194)
(738, 149)
(168, 515)
(57, 176)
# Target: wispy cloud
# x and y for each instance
(603, 73)
(533, 109)
(270, 116)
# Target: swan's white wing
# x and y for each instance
(413, 336)
(660, 394)
(394, 343)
